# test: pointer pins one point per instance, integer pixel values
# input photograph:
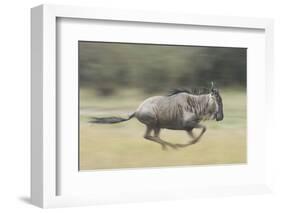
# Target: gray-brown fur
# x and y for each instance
(180, 110)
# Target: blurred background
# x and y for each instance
(114, 78)
(109, 67)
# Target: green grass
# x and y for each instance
(122, 145)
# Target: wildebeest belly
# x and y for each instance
(171, 124)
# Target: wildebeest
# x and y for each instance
(182, 109)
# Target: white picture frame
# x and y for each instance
(44, 150)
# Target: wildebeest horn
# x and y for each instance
(212, 85)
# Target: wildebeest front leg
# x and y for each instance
(200, 126)
(195, 139)
(190, 133)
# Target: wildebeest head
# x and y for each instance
(219, 109)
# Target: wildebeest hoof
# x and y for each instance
(183, 145)
(180, 145)
(194, 141)
(174, 146)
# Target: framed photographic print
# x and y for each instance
(133, 106)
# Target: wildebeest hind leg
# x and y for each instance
(156, 138)
(156, 135)
(152, 138)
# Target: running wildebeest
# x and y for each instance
(182, 109)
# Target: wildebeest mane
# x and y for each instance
(192, 91)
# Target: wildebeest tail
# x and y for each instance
(110, 120)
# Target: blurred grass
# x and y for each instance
(122, 145)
